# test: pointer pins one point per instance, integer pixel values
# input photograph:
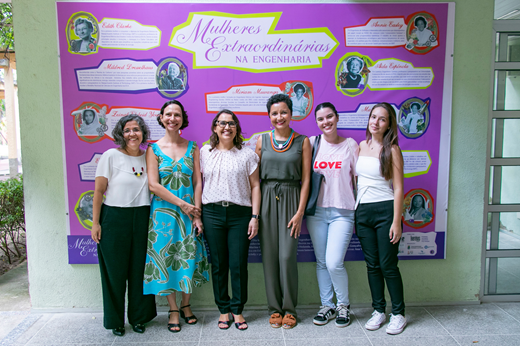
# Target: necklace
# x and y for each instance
(280, 148)
(138, 174)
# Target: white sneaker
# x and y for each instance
(396, 325)
(375, 322)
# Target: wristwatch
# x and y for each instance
(255, 216)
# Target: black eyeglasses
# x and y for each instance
(223, 124)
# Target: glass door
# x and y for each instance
(501, 253)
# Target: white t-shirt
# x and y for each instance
(226, 175)
(337, 163)
(124, 189)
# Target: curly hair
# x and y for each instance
(298, 86)
(352, 59)
(420, 19)
(277, 98)
(117, 132)
(185, 121)
(237, 141)
(390, 139)
(325, 105)
(83, 21)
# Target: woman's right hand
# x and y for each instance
(96, 232)
(190, 210)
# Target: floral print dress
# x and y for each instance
(176, 258)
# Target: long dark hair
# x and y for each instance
(390, 139)
(237, 141)
(325, 105)
(413, 209)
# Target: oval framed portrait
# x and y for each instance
(171, 78)
(413, 117)
(83, 209)
(418, 208)
(82, 33)
(422, 33)
(352, 74)
(301, 97)
(90, 122)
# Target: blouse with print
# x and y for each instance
(226, 175)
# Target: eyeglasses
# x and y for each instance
(127, 131)
(223, 124)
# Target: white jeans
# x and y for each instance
(331, 230)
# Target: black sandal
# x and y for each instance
(187, 319)
(173, 325)
(240, 324)
(227, 323)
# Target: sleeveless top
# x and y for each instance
(281, 166)
(372, 186)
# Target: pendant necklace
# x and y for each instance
(281, 147)
(138, 174)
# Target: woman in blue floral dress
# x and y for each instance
(176, 258)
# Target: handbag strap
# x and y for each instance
(352, 153)
(315, 148)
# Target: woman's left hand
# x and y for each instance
(197, 223)
(395, 233)
(252, 230)
(296, 225)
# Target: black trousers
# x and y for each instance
(122, 255)
(373, 222)
(225, 229)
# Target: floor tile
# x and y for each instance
(489, 340)
(32, 330)
(413, 341)
(73, 328)
(306, 329)
(157, 332)
(243, 343)
(512, 309)
(258, 328)
(419, 323)
(475, 320)
(71, 344)
(357, 341)
(10, 320)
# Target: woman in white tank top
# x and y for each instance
(379, 206)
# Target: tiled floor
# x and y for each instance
(486, 324)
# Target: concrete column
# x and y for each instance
(11, 121)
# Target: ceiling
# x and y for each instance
(503, 7)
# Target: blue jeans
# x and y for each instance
(331, 230)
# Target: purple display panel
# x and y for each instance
(214, 56)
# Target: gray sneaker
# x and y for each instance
(323, 316)
(343, 315)
(396, 325)
(375, 322)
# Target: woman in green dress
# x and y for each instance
(176, 258)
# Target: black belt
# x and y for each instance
(223, 203)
